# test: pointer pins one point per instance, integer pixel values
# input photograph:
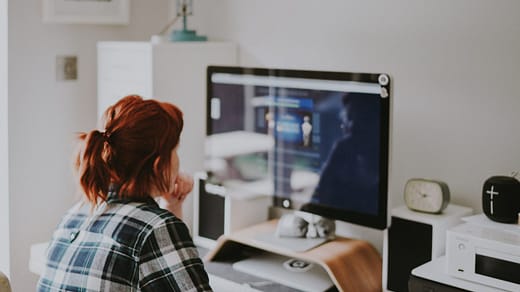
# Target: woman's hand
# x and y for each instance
(183, 186)
(173, 201)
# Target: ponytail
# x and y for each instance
(92, 165)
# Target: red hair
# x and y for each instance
(133, 152)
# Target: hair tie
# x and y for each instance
(106, 136)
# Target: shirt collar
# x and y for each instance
(114, 197)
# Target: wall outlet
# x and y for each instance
(66, 68)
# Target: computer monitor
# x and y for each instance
(316, 141)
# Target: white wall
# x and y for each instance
(454, 66)
(4, 173)
(44, 114)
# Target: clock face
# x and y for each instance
(425, 195)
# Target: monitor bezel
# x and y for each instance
(377, 221)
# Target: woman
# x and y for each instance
(117, 238)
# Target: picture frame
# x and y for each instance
(87, 11)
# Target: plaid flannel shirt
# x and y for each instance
(123, 245)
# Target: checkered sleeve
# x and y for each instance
(169, 260)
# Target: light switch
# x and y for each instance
(66, 68)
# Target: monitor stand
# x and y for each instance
(351, 264)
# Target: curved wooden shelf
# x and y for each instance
(353, 265)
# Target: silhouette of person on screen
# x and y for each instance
(306, 131)
(350, 175)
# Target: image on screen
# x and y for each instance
(313, 140)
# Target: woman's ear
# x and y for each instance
(156, 166)
(162, 174)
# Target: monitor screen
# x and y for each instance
(316, 141)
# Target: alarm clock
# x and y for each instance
(426, 195)
(501, 199)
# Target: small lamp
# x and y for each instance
(184, 9)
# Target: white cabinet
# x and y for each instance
(174, 72)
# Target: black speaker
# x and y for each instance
(210, 214)
(219, 210)
(501, 199)
(410, 245)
